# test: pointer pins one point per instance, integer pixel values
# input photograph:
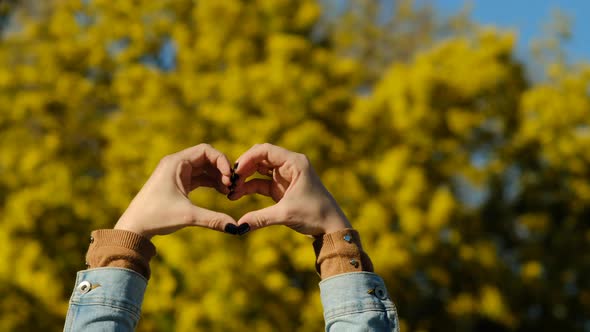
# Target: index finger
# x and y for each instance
(203, 154)
(271, 156)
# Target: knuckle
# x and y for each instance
(215, 223)
(261, 221)
(166, 160)
(205, 146)
(302, 160)
(257, 223)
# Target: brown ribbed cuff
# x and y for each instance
(120, 248)
(340, 252)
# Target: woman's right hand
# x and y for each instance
(302, 201)
(162, 206)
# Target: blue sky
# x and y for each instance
(528, 18)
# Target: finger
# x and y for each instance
(272, 215)
(254, 186)
(265, 170)
(211, 219)
(261, 168)
(266, 154)
(204, 154)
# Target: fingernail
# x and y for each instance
(231, 229)
(234, 178)
(236, 165)
(243, 229)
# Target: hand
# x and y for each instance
(162, 206)
(303, 203)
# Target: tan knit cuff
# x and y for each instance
(340, 252)
(119, 248)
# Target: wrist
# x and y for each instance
(336, 223)
(124, 225)
(335, 228)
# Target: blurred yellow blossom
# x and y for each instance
(467, 180)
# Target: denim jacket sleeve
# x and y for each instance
(106, 299)
(357, 301)
(109, 299)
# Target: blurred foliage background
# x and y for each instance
(467, 180)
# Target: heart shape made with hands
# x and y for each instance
(301, 200)
(302, 203)
(253, 186)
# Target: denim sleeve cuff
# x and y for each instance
(113, 287)
(355, 293)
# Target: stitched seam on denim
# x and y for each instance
(96, 300)
(107, 301)
(352, 309)
(107, 268)
(348, 314)
(136, 315)
(371, 277)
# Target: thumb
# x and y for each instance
(272, 215)
(210, 219)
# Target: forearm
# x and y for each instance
(354, 298)
(108, 296)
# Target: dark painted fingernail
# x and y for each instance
(234, 178)
(243, 229)
(231, 229)
(236, 165)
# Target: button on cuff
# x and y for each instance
(380, 292)
(347, 237)
(84, 287)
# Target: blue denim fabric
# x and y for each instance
(357, 301)
(352, 302)
(112, 304)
